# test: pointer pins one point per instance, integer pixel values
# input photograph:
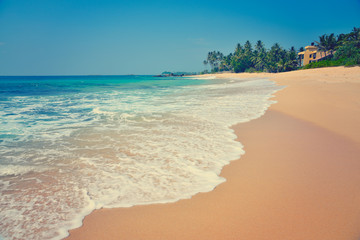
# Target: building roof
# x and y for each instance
(309, 47)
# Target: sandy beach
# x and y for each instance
(299, 178)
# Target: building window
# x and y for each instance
(310, 55)
(314, 55)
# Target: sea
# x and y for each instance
(72, 144)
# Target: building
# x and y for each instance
(311, 54)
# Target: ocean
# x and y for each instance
(72, 144)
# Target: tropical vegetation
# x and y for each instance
(258, 59)
(343, 49)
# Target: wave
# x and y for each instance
(118, 149)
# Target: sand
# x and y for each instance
(299, 178)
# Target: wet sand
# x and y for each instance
(299, 178)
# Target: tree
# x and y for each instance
(259, 56)
(354, 36)
(225, 64)
(237, 62)
(327, 43)
(238, 50)
(214, 59)
(275, 58)
(349, 52)
(205, 62)
(248, 48)
(291, 60)
(341, 38)
(248, 54)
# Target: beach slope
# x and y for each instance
(299, 178)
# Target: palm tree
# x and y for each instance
(321, 45)
(274, 57)
(259, 57)
(248, 54)
(291, 60)
(248, 47)
(349, 48)
(354, 36)
(214, 59)
(259, 46)
(327, 43)
(238, 50)
(225, 64)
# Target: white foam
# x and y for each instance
(129, 148)
(9, 170)
(76, 221)
(204, 77)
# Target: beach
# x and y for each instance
(298, 179)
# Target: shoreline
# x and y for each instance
(297, 180)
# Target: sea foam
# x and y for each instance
(78, 152)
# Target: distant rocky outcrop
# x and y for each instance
(175, 74)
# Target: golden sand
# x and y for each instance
(299, 178)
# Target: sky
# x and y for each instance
(115, 37)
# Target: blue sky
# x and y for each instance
(71, 37)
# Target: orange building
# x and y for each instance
(311, 54)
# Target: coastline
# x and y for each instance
(297, 180)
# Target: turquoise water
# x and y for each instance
(57, 85)
(72, 144)
(29, 101)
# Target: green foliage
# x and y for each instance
(325, 63)
(214, 59)
(349, 51)
(276, 59)
(259, 59)
(327, 43)
(251, 70)
(204, 72)
(346, 47)
(225, 64)
(352, 37)
(259, 56)
(291, 60)
(343, 49)
(241, 60)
